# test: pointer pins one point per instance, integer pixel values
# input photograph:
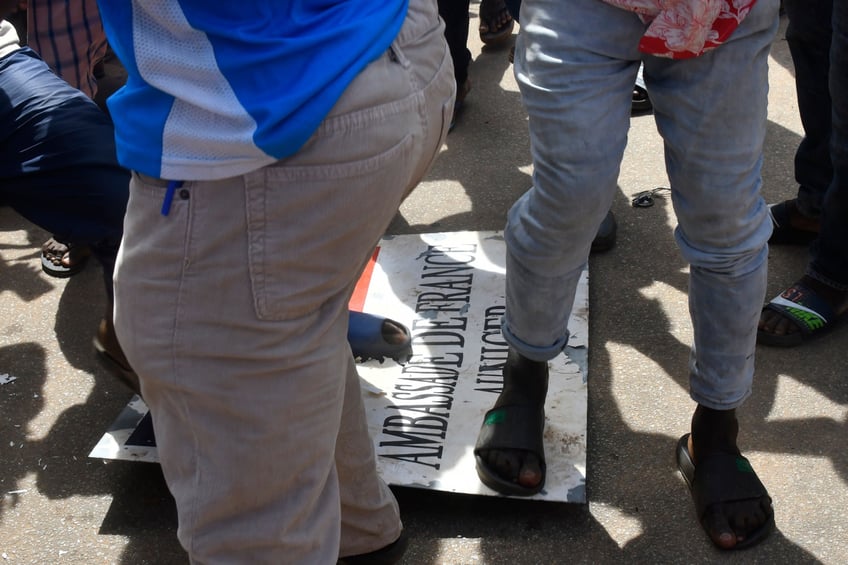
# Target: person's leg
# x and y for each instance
(62, 260)
(577, 140)
(830, 258)
(69, 37)
(255, 402)
(456, 18)
(808, 35)
(65, 177)
(641, 99)
(711, 112)
(816, 302)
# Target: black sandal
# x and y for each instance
(641, 102)
(491, 11)
(517, 422)
(737, 482)
(54, 251)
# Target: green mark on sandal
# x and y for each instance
(811, 320)
(495, 417)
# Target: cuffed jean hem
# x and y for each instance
(532, 352)
(703, 401)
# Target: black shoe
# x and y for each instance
(387, 555)
(605, 238)
(112, 356)
(462, 91)
(641, 102)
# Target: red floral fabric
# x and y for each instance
(681, 29)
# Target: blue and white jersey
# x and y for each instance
(219, 88)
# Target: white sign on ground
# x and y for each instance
(425, 416)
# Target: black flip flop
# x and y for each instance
(737, 482)
(489, 11)
(517, 422)
(60, 271)
(641, 102)
(514, 427)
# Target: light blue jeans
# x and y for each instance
(576, 62)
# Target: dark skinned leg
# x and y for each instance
(727, 523)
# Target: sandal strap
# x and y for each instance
(738, 481)
(804, 306)
(513, 426)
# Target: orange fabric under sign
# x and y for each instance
(357, 300)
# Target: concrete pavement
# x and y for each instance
(59, 506)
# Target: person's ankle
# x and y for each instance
(834, 296)
(524, 374)
(713, 430)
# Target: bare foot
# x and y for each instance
(496, 23)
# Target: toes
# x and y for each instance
(785, 327)
(55, 259)
(718, 528)
(515, 465)
(53, 247)
(73, 255)
(505, 463)
(766, 318)
(773, 323)
(393, 332)
(53, 255)
(731, 523)
(495, 22)
(531, 473)
(769, 321)
(749, 515)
